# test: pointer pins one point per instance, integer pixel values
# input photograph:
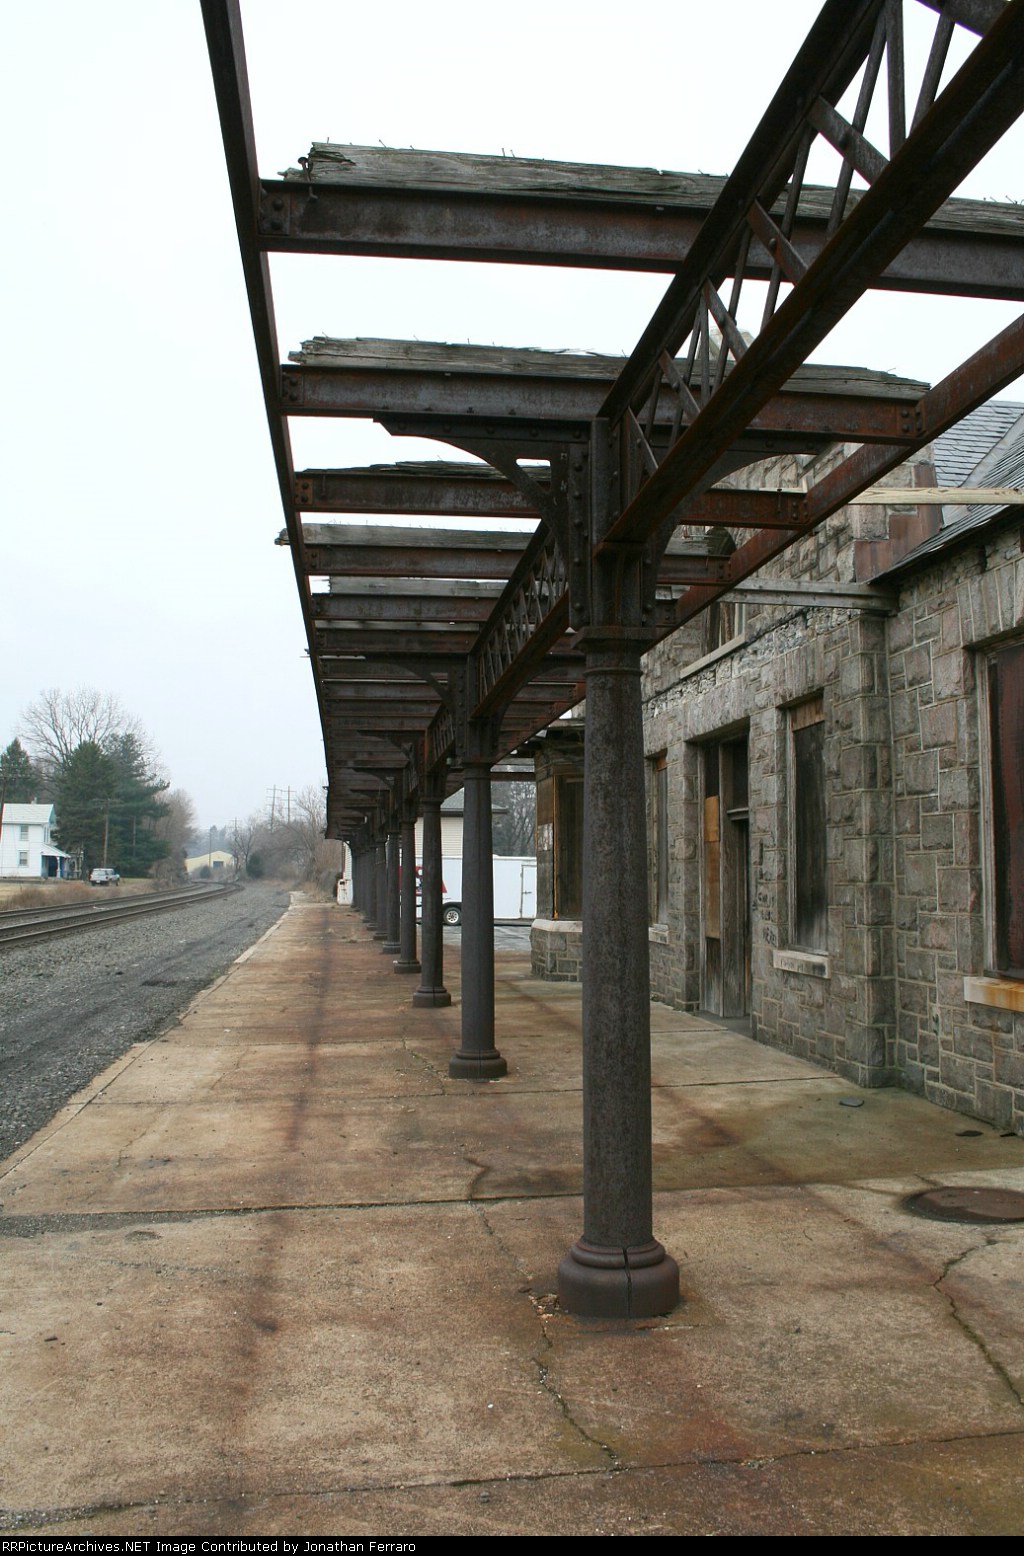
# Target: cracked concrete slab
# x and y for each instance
(275, 1272)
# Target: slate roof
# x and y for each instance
(985, 449)
(959, 451)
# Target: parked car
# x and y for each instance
(101, 876)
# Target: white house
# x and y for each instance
(27, 851)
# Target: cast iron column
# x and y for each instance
(408, 961)
(365, 882)
(616, 1269)
(380, 916)
(391, 944)
(477, 1058)
(432, 990)
(369, 908)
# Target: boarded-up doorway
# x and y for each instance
(725, 880)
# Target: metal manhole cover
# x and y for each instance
(964, 1204)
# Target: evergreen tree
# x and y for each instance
(136, 806)
(21, 782)
(86, 792)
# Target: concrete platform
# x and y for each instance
(276, 1273)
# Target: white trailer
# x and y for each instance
(515, 889)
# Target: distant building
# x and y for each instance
(218, 861)
(27, 851)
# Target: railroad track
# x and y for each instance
(22, 927)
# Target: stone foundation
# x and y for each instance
(556, 949)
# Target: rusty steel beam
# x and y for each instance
(969, 249)
(371, 551)
(418, 489)
(394, 725)
(448, 610)
(553, 406)
(367, 671)
(346, 562)
(349, 754)
(380, 698)
(345, 756)
(433, 645)
(414, 698)
(436, 489)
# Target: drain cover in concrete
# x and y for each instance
(964, 1204)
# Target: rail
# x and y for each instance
(24, 925)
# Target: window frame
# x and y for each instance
(658, 839)
(993, 799)
(808, 930)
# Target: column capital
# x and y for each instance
(610, 638)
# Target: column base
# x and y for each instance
(618, 1282)
(380, 934)
(477, 1066)
(407, 967)
(432, 997)
(390, 947)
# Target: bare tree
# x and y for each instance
(58, 722)
(308, 825)
(246, 838)
(514, 831)
(175, 828)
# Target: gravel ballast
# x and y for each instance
(70, 1006)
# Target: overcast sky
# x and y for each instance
(140, 498)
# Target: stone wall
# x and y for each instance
(966, 1053)
(556, 949)
(837, 1009)
(900, 993)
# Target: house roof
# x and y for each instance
(958, 452)
(985, 449)
(21, 815)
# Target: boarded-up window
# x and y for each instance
(1006, 724)
(808, 857)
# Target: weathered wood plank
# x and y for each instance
(441, 357)
(403, 168)
(961, 496)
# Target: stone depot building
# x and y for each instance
(836, 791)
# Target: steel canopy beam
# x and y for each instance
(554, 394)
(398, 204)
(435, 488)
